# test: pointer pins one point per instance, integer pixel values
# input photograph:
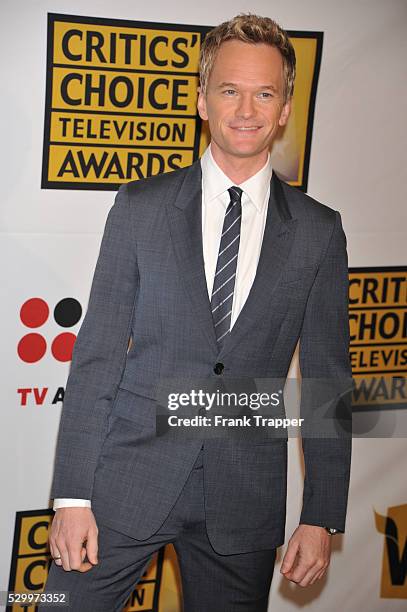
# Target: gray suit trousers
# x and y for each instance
(211, 582)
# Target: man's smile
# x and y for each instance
(246, 128)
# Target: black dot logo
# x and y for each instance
(67, 312)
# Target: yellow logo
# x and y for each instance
(394, 565)
(31, 560)
(378, 330)
(121, 102)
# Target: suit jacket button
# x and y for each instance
(218, 369)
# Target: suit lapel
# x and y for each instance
(278, 238)
(185, 221)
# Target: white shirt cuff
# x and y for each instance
(65, 502)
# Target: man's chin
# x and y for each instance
(242, 150)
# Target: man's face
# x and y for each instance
(244, 101)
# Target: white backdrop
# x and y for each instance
(50, 240)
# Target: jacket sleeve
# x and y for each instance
(98, 357)
(327, 381)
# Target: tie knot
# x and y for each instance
(235, 193)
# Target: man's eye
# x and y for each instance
(265, 94)
(229, 91)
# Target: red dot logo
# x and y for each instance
(34, 313)
(31, 348)
(62, 346)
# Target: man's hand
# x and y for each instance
(307, 556)
(73, 537)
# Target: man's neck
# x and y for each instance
(238, 169)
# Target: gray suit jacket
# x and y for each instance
(149, 283)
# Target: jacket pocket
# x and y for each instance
(135, 407)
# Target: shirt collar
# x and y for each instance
(215, 183)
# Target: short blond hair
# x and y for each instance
(248, 28)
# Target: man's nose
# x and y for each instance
(246, 107)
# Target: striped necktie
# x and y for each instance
(225, 275)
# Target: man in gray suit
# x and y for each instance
(215, 271)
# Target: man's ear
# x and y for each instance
(201, 104)
(285, 113)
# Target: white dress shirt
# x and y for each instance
(215, 199)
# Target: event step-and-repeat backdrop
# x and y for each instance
(108, 95)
